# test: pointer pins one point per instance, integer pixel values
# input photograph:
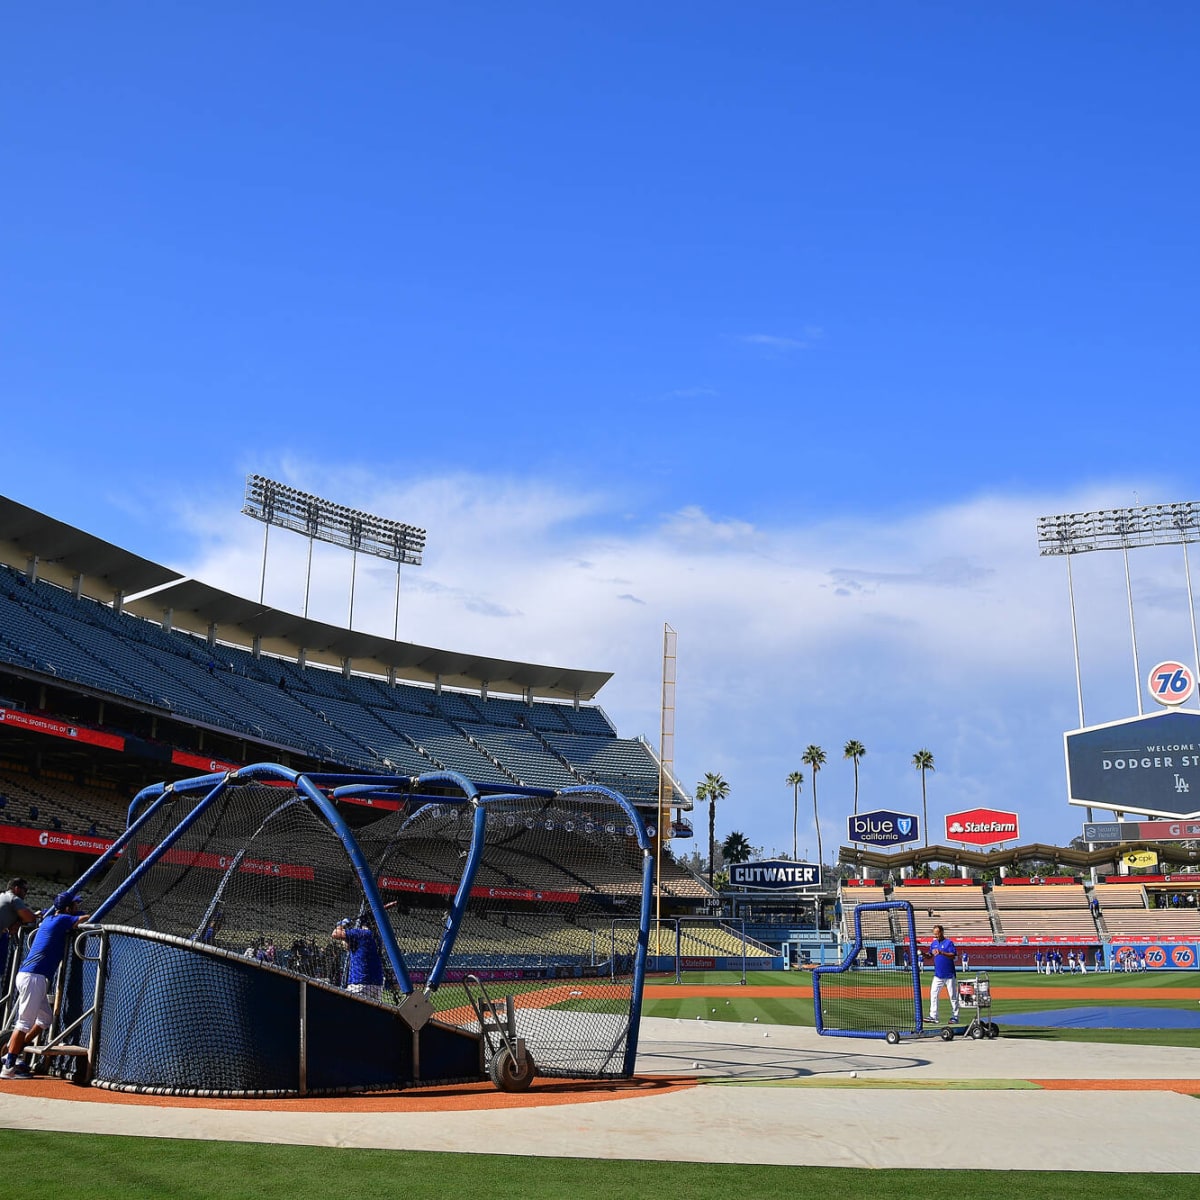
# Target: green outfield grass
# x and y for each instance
(53, 1165)
(691, 1002)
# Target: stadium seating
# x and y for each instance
(78, 809)
(342, 720)
(1115, 896)
(1045, 913)
(963, 911)
(1127, 915)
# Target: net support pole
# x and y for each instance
(262, 581)
(458, 906)
(93, 1056)
(474, 853)
(643, 945)
(302, 1080)
(134, 878)
(160, 795)
(639, 966)
(1191, 603)
(383, 927)
(1137, 670)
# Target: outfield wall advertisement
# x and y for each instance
(1160, 956)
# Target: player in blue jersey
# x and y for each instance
(364, 967)
(945, 978)
(40, 965)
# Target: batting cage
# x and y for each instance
(875, 991)
(222, 954)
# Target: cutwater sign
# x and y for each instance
(775, 874)
(883, 828)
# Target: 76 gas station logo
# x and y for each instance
(1171, 683)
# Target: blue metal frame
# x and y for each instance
(162, 793)
(475, 855)
(134, 878)
(458, 906)
(342, 786)
(383, 927)
(914, 967)
(308, 786)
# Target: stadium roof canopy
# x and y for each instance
(92, 567)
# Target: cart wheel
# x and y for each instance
(893, 1038)
(993, 1029)
(506, 1075)
(978, 1033)
(947, 1034)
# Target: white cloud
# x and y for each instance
(785, 343)
(942, 629)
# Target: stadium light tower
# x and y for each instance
(277, 504)
(1123, 529)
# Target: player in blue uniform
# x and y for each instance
(944, 975)
(364, 967)
(40, 965)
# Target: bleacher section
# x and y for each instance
(962, 910)
(1045, 913)
(1029, 914)
(1127, 915)
(1115, 896)
(680, 884)
(852, 898)
(337, 719)
(1166, 924)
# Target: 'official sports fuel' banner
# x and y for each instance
(49, 839)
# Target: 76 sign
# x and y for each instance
(1171, 683)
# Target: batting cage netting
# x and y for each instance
(529, 887)
(210, 964)
(875, 991)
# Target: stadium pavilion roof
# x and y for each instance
(92, 567)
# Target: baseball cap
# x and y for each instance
(66, 899)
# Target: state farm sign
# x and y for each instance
(982, 826)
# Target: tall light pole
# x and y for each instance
(286, 507)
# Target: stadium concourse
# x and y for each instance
(720, 1092)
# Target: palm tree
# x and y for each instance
(854, 750)
(923, 761)
(713, 788)
(736, 848)
(814, 758)
(795, 779)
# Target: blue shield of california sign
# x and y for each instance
(883, 828)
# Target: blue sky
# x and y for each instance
(780, 325)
